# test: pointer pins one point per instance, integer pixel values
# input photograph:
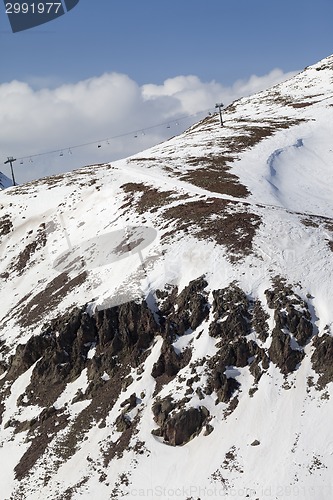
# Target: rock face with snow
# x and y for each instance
(166, 320)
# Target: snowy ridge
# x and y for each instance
(166, 327)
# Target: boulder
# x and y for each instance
(182, 426)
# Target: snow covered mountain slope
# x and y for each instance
(166, 320)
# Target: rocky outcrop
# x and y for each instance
(282, 354)
(112, 342)
(223, 386)
(236, 353)
(6, 225)
(181, 427)
(161, 410)
(177, 428)
(233, 354)
(293, 326)
(259, 321)
(235, 317)
(186, 311)
(169, 363)
(27, 354)
(291, 312)
(125, 326)
(119, 336)
(179, 314)
(259, 364)
(231, 313)
(231, 325)
(322, 359)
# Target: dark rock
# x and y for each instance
(130, 402)
(304, 330)
(231, 315)
(296, 320)
(162, 408)
(209, 429)
(11, 423)
(6, 225)
(200, 393)
(124, 326)
(259, 321)
(220, 383)
(292, 322)
(252, 391)
(122, 423)
(227, 298)
(168, 299)
(231, 353)
(61, 351)
(181, 427)
(259, 364)
(157, 432)
(225, 387)
(234, 354)
(169, 362)
(264, 359)
(79, 396)
(188, 310)
(281, 353)
(322, 359)
(47, 413)
(255, 443)
(178, 428)
(256, 371)
(27, 354)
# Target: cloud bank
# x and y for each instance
(109, 106)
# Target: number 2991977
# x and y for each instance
(33, 8)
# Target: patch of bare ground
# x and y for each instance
(144, 198)
(302, 104)
(212, 173)
(316, 220)
(277, 97)
(69, 492)
(22, 260)
(42, 432)
(308, 222)
(6, 225)
(230, 461)
(143, 159)
(213, 219)
(205, 123)
(116, 449)
(49, 298)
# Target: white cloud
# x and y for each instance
(40, 120)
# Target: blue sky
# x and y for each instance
(151, 42)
